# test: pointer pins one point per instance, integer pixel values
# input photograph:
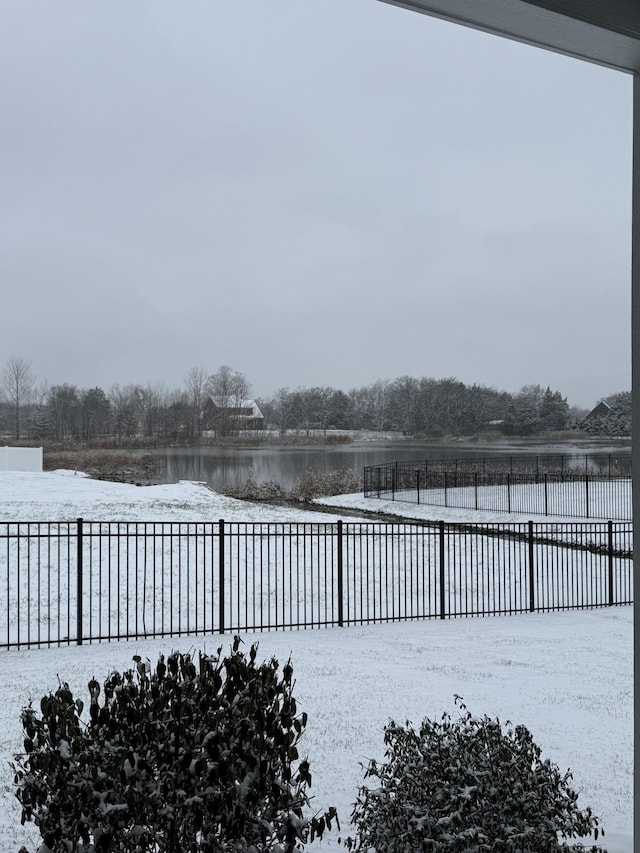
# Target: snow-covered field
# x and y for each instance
(567, 676)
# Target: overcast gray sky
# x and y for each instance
(311, 191)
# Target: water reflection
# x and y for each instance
(222, 466)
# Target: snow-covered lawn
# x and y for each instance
(567, 676)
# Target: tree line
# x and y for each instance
(31, 408)
(420, 406)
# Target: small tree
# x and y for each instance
(193, 756)
(467, 785)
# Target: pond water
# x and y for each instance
(230, 466)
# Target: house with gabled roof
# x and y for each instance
(226, 419)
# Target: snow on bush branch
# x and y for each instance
(467, 785)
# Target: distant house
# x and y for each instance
(601, 411)
(226, 419)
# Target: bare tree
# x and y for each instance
(126, 407)
(304, 407)
(241, 389)
(196, 382)
(219, 387)
(40, 409)
(152, 401)
(177, 417)
(404, 403)
(229, 390)
(379, 404)
(282, 404)
(16, 382)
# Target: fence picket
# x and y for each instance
(340, 576)
(221, 575)
(79, 580)
(441, 566)
(532, 568)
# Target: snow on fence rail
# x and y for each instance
(69, 582)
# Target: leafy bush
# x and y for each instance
(467, 785)
(192, 756)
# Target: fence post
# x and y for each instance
(418, 483)
(532, 588)
(546, 495)
(79, 581)
(586, 493)
(509, 492)
(475, 483)
(445, 490)
(610, 559)
(221, 574)
(441, 539)
(340, 578)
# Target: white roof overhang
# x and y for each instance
(606, 32)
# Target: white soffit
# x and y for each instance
(606, 32)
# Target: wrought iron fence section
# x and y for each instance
(503, 486)
(82, 581)
(280, 576)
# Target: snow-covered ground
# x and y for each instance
(67, 495)
(436, 511)
(567, 676)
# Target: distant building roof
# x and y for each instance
(245, 409)
(602, 410)
(255, 409)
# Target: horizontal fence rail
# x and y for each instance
(503, 487)
(89, 581)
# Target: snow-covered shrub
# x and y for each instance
(250, 490)
(195, 755)
(313, 484)
(469, 784)
(309, 485)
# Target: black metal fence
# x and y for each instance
(71, 582)
(532, 485)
